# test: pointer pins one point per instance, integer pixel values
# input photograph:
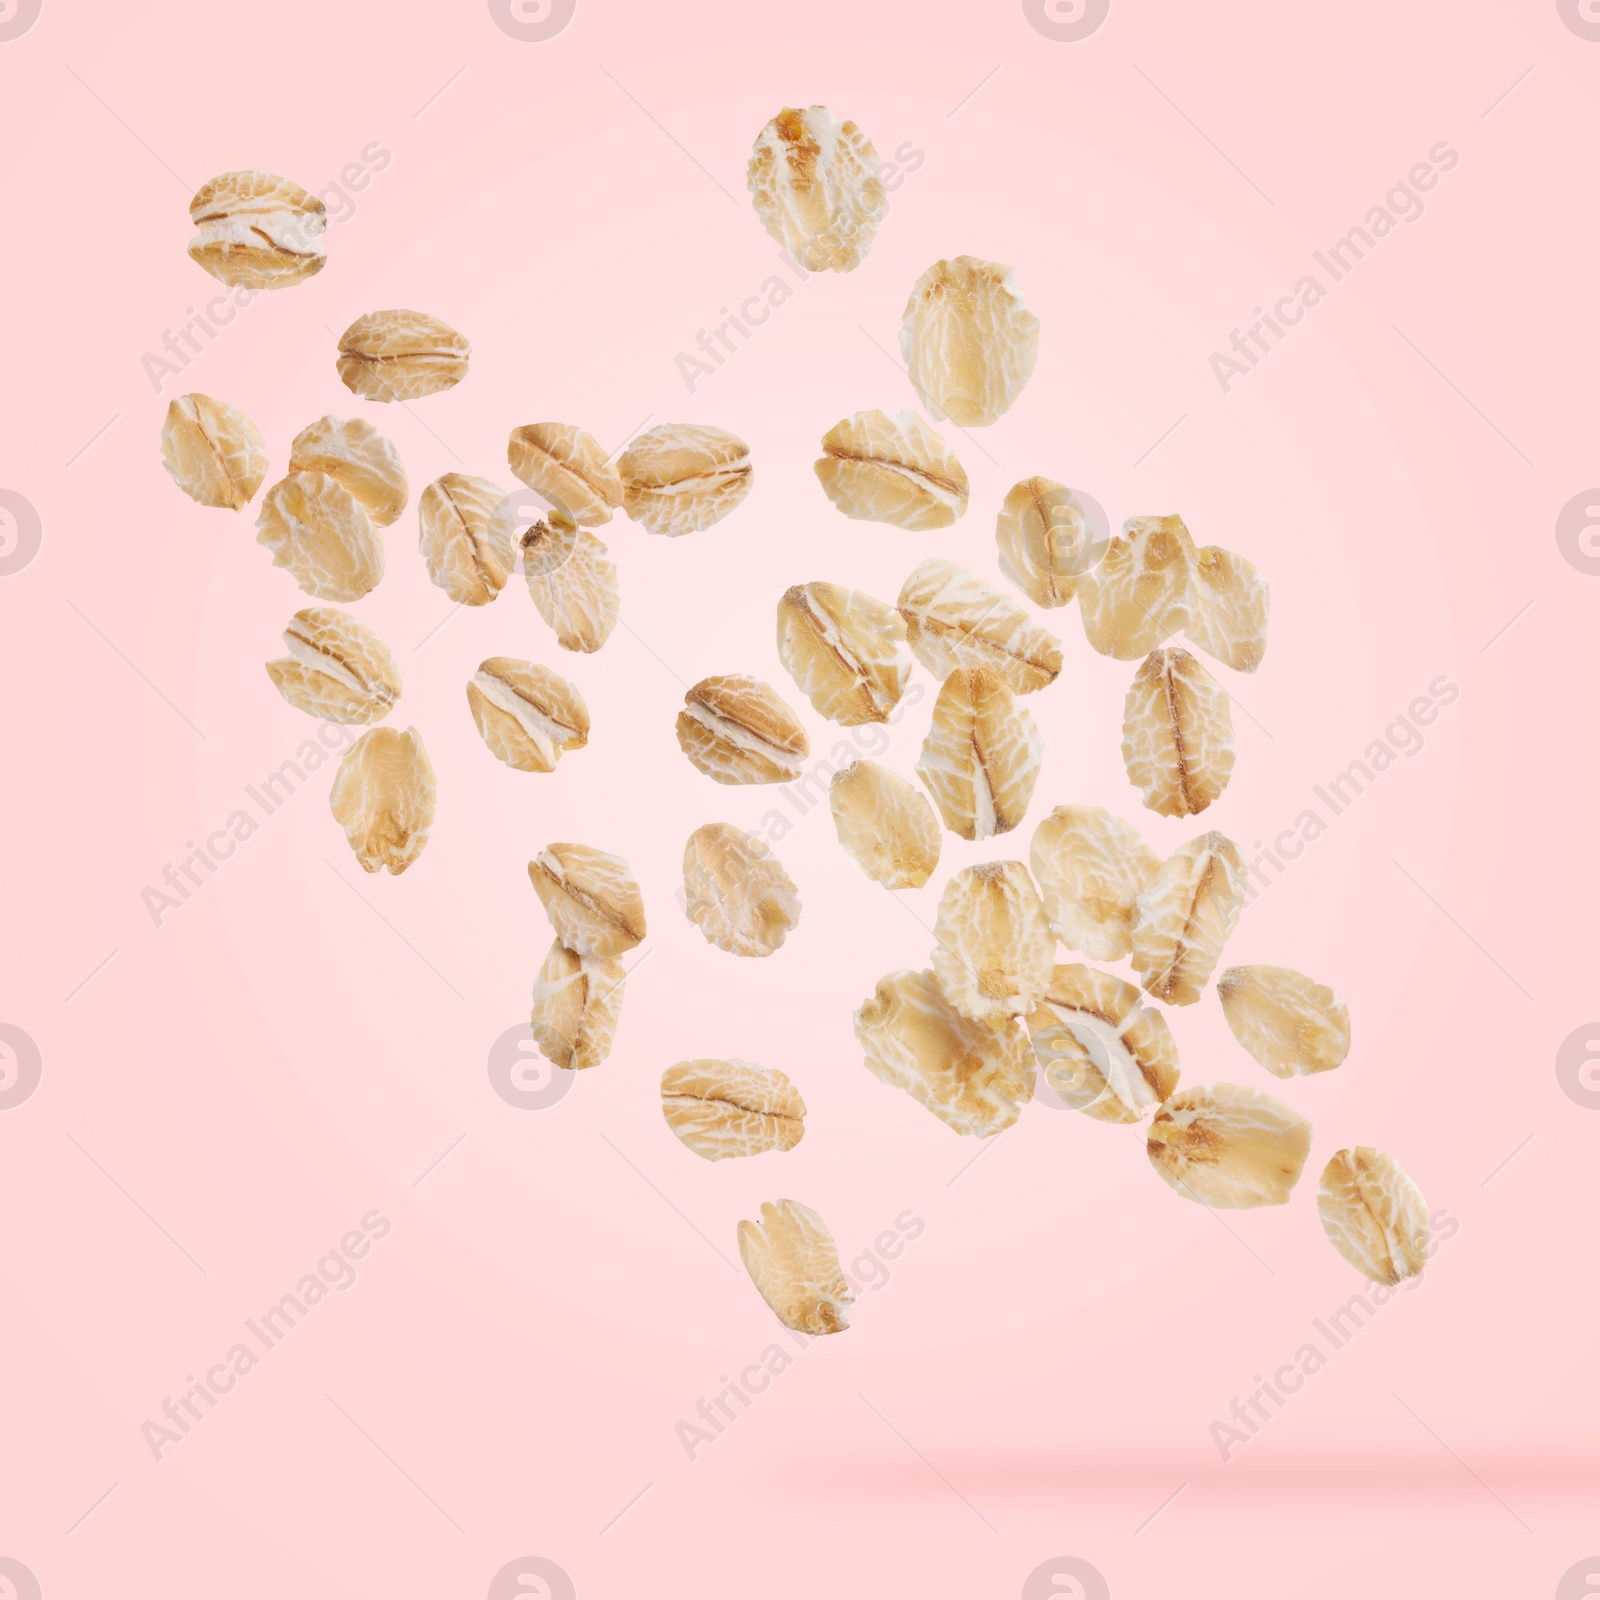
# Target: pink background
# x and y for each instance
(298, 1045)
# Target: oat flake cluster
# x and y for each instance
(993, 1017)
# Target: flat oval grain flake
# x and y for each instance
(468, 537)
(723, 1109)
(316, 528)
(995, 951)
(337, 669)
(1045, 540)
(591, 898)
(255, 230)
(736, 891)
(684, 476)
(569, 468)
(1374, 1215)
(213, 451)
(401, 355)
(969, 340)
(884, 824)
(1138, 594)
(955, 622)
(1184, 917)
(981, 758)
(576, 1003)
(737, 729)
(972, 1076)
(842, 648)
(791, 1259)
(1091, 867)
(526, 714)
(572, 581)
(1228, 609)
(882, 467)
(1291, 1025)
(1102, 1050)
(816, 188)
(1229, 1147)
(383, 797)
(1177, 734)
(365, 462)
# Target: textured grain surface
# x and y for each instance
(254, 230)
(572, 581)
(1228, 609)
(981, 758)
(356, 454)
(337, 668)
(1138, 593)
(526, 714)
(684, 476)
(737, 729)
(885, 825)
(569, 468)
(317, 529)
(842, 648)
(468, 537)
(995, 950)
(401, 355)
(815, 184)
(1291, 1025)
(955, 622)
(1091, 868)
(576, 1003)
(1229, 1147)
(1045, 541)
(736, 891)
(214, 452)
(383, 797)
(723, 1109)
(1184, 916)
(1177, 734)
(878, 466)
(590, 898)
(792, 1261)
(1374, 1215)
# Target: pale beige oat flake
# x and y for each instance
(1374, 1215)
(383, 797)
(736, 729)
(1228, 1147)
(316, 528)
(1177, 734)
(1102, 1050)
(878, 467)
(972, 1076)
(683, 476)
(257, 231)
(1138, 594)
(401, 355)
(956, 622)
(1228, 609)
(1184, 916)
(1045, 540)
(1091, 868)
(791, 1259)
(842, 648)
(365, 462)
(568, 467)
(885, 825)
(576, 1003)
(527, 714)
(995, 951)
(723, 1109)
(969, 340)
(214, 452)
(337, 669)
(736, 891)
(816, 188)
(981, 758)
(1292, 1026)
(572, 581)
(468, 537)
(590, 897)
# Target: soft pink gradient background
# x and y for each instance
(1039, 1375)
